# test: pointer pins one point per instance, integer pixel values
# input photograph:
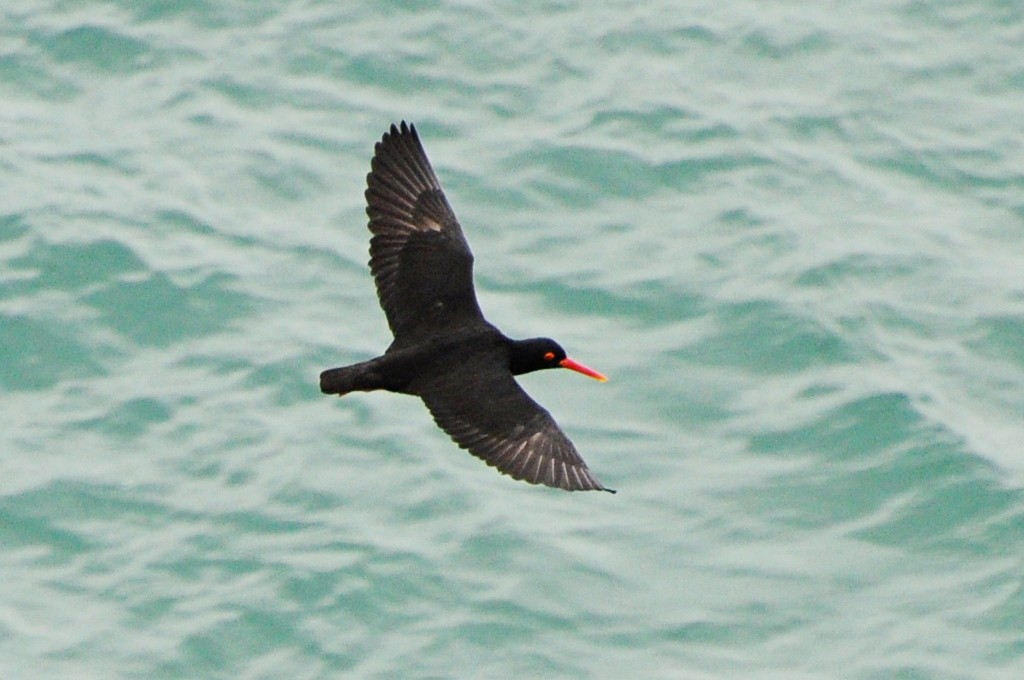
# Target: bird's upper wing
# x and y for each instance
(418, 254)
(486, 411)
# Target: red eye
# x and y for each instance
(549, 356)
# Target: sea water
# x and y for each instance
(792, 234)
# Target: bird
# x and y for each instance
(444, 351)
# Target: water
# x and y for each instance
(793, 236)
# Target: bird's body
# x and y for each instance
(402, 369)
(444, 351)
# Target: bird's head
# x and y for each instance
(537, 354)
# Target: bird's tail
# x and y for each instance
(350, 379)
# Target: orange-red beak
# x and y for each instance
(580, 368)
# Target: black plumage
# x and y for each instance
(444, 351)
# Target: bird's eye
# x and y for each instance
(549, 356)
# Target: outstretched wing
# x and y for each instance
(418, 255)
(488, 413)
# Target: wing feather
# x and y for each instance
(490, 415)
(419, 257)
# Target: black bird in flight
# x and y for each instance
(444, 351)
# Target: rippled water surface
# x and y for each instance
(792, 234)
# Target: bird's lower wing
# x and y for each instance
(490, 415)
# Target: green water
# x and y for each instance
(792, 235)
